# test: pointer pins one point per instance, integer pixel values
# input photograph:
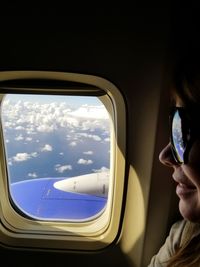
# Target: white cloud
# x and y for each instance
(73, 143)
(19, 128)
(34, 116)
(30, 130)
(94, 112)
(45, 128)
(62, 168)
(85, 161)
(33, 174)
(34, 154)
(88, 152)
(21, 157)
(8, 124)
(19, 137)
(96, 137)
(10, 162)
(46, 147)
(24, 156)
(29, 139)
(91, 136)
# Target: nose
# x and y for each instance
(166, 156)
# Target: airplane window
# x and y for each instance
(58, 155)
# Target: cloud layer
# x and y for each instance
(64, 136)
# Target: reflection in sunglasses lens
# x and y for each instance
(177, 136)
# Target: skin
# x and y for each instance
(187, 178)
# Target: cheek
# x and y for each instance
(192, 169)
(194, 154)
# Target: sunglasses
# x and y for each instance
(183, 133)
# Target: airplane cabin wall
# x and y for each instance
(130, 51)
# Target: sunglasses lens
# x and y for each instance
(177, 137)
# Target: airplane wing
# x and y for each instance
(39, 199)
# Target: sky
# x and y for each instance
(45, 99)
(54, 136)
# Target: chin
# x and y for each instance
(189, 213)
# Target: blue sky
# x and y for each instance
(57, 136)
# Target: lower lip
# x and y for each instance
(184, 190)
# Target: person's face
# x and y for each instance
(187, 177)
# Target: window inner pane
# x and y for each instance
(58, 155)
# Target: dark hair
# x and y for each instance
(186, 81)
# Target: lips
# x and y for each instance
(184, 187)
(184, 190)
